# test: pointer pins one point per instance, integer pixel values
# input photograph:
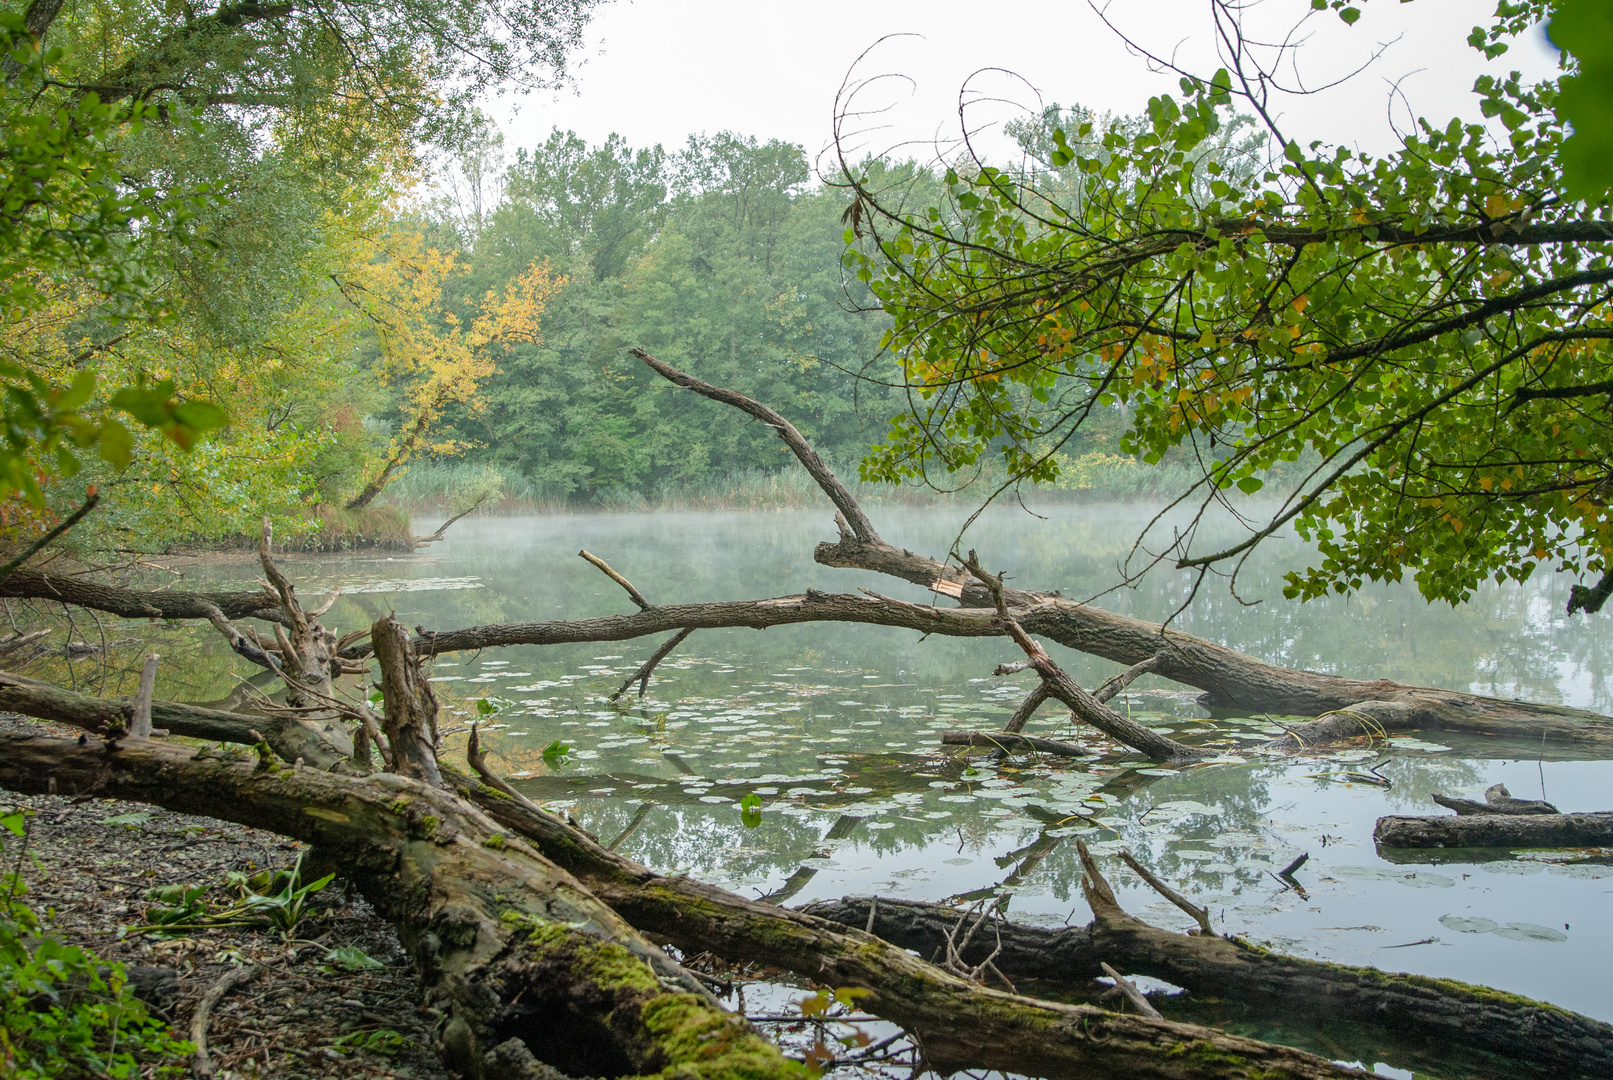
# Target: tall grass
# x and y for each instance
(439, 487)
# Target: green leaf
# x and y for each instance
(352, 958)
(554, 755)
(117, 444)
(1250, 484)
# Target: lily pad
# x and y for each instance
(1464, 925)
(1522, 931)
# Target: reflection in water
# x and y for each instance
(835, 728)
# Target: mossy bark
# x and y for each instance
(524, 965)
(1416, 1020)
(957, 1024)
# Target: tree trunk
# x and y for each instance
(956, 1024)
(1496, 831)
(1432, 1022)
(410, 719)
(524, 965)
(1233, 680)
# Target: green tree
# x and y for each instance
(1428, 330)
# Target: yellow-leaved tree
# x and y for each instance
(428, 351)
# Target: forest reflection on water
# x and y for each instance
(835, 728)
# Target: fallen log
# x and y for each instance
(956, 1024)
(1432, 1022)
(1011, 741)
(522, 963)
(320, 744)
(1497, 800)
(527, 965)
(139, 603)
(1496, 831)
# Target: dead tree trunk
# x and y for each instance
(524, 965)
(1230, 679)
(1430, 1021)
(410, 720)
(956, 1024)
(1496, 831)
(320, 745)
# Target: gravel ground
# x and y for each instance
(299, 1015)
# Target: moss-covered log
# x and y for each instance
(524, 965)
(1426, 1021)
(956, 1024)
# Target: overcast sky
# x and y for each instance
(661, 70)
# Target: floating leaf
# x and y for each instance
(1522, 931)
(1464, 925)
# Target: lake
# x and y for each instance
(835, 729)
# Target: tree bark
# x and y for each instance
(1496, 831)
(524, 965)
(320, 744)
(410, 719)
(956, 1024)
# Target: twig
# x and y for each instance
(473, 754)
(1133, 995)
(1200, 915)
(201, 1066)
(1117, 683)
(642, 675)
(873, 906)
(1288, 871)
(67, 523)
(637, 597)
(422, 541)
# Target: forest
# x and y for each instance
(1186, 565)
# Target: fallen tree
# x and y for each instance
(527, 966)
(1496, 831)
(1432, 1021)
(1230, 679)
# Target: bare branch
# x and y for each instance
(637, 597)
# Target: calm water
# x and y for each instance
(834, 727)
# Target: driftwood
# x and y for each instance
(1497, 800)
(1012, 741)
(1496, 831)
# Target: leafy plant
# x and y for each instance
(63, 1013)
(555, 754)
(383, 1041)
(750, 810)
(277, 896)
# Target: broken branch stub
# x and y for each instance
(410, 707)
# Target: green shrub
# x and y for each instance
(63, 1013)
